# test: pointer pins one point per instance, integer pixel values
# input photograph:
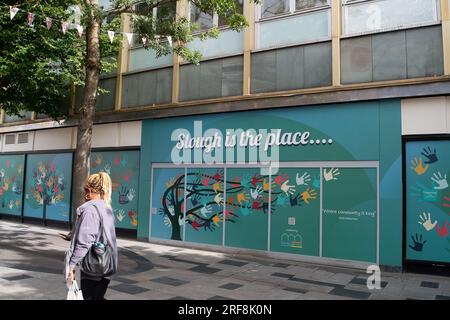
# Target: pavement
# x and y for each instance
(31, 267)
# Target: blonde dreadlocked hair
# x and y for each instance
(101, 183)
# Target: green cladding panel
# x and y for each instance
(295, 218)
(350, 214)
(48, 186)
(123, 168)
(11, 184)
(427, 167)
(167, 209)
(204, 212)
(247, 207)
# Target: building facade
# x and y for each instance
(320, 133)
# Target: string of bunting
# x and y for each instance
(65, 25)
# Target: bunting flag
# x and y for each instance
(13, 11)
(48, 22)
(80, 30)
(129, 37)
(64, 25)
(169, 39)
(30, 19)
(111, 35)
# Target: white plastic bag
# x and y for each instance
(74, 292)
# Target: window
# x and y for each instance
(10, 139)
(163, 13)
(369, 16)
(22, 138)
(207, 21)
(270, 8)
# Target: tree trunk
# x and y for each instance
(87, 111)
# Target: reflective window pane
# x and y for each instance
(389, 56)
(308, 4)
(356, 60)
(274, 7)
(204, 20)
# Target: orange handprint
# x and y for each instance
(418, 167)
(309, 194)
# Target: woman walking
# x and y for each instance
(95, 224)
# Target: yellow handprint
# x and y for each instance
(216, 220)
(17, 203)
(309, 194)
(19, 169)
(216, 187)
(242, 197)
(418, 167)
(266, 185)
(6, 185)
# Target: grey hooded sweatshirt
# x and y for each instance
(87, 231)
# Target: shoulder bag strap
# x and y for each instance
(102, 227)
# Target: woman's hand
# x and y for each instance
(71, 276)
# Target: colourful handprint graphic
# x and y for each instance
(430, 155)
(418, 167)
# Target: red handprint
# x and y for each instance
(255, 180)
(447, 203)
(280, 179)
(443, 232)
(218, 175)
(205, 181)
(195, 225)
(237, 183)
(256, 205)
(127, 176)
(8, 163)
(117, 160)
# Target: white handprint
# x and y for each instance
(107, 168)
(180, 220)
(218, 198)
(331, 175)
(171, 210)
(426, 222)
(440, 180)
(303, 180)
(14, 187)
(11, 204)
(131, 194)
(167, 221)
(120, 214)
(205, 210)
(2, 173)
(288, 189)
(256, 192)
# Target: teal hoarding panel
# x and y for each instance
(11, 184)
(427, 201)
(360, 131)
(123, 168)
(204, 213)
(247, 207)
(167, 210)
(48, 186)
(350, 214)
(295, 218)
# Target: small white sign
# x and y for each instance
(291, 221)
(154, 210)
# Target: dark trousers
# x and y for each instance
(94, 290)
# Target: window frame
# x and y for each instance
(291, 12)
(348, 3)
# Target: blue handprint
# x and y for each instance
(124, 160)
(423, 193)
(246, 180)
(418, 243)
(294, 200)
(316, 182)
(282, 200)
(245, 211)
(430, 155)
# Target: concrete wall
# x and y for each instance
(426, 115)
(123, 134)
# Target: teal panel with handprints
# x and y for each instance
(349, 218)
(48, 186)
(204, 210)
(11, 184)
(123, 168)
(427, 201)
(247, 207)
(167, 204)
(295, 214)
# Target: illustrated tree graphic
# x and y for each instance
(47, 185)
(244, 196)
